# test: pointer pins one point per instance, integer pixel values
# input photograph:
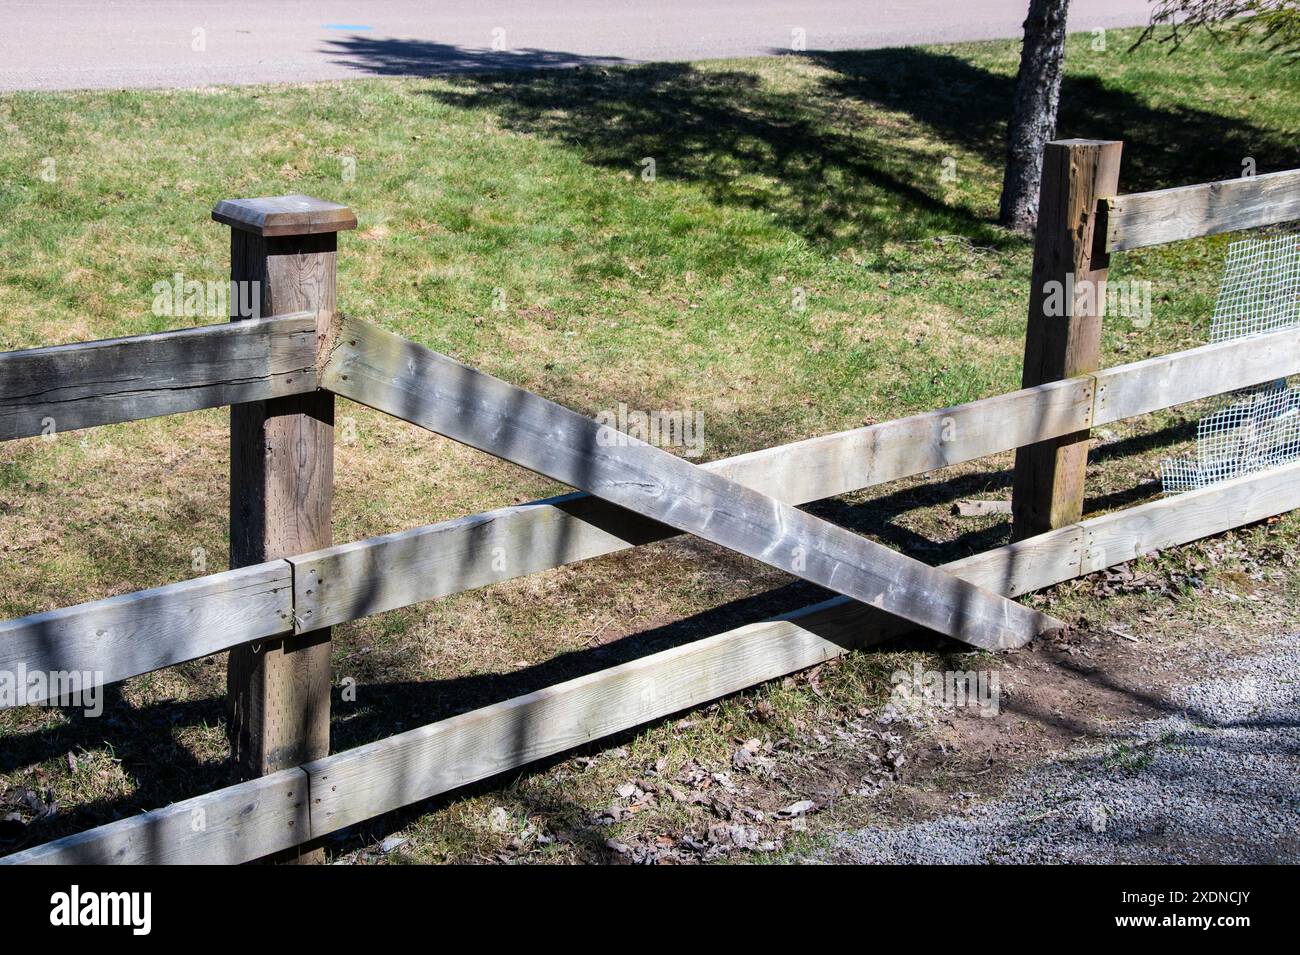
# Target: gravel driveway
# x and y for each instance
(1219, 782)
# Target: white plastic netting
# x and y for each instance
(1254, 428)
(1260, 291)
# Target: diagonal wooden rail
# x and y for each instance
(353, 580)
(411, 382)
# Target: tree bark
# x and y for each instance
(1033, 117)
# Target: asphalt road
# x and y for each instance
(73, 44)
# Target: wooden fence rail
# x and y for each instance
(48, 390)
(125, 636)
(1189, 212)
(281, 373)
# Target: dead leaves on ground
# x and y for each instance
(769, 790)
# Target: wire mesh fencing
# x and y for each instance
(1259, 427)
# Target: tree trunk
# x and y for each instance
(1033, 117)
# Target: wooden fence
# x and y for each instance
(290, 584)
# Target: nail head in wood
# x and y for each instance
(284, 215)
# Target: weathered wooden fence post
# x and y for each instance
(1066, 303)
(281, 479)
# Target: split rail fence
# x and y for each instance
(290, 583)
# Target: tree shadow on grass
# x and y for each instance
(786, 154)
(832, 159)
(969, 107)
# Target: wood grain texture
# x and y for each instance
(1048, 483)
(1187, 212)
(140, 632)
(224, 827)
(281, 487)
(834, 464)
(127, 379)
(137, 633)
(388, 373)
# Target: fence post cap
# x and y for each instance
(284, 215)
(1083, 142)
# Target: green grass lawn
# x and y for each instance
(804, 260)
